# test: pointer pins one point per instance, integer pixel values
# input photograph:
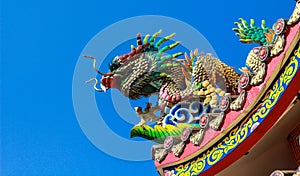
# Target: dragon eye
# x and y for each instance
(115, 64)
(116, 59)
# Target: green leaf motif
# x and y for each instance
(158, 133)
(251, 33)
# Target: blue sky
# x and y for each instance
(40, 46)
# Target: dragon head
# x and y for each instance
(142, 71)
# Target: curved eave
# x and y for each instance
(231, 144)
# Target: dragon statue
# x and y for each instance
(194, 93)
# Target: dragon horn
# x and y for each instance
(146, 39)
(139, 40)
(168, 47)
(94, 64)
(153, 37)
(164, 58)
(164, 39)
(139, 43)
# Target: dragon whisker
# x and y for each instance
(94, 64)
(95, 85)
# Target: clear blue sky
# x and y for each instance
(40, 44)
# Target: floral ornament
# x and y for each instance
(185, 134)
(203, 120)
(161, 153)
(178, 149)
(244, 80)
(169, 141)
(279, 26)
(224, 103)
(277, 173)
(262, 53)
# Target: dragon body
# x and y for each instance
(193, 92)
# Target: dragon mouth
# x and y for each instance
(110, 80)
